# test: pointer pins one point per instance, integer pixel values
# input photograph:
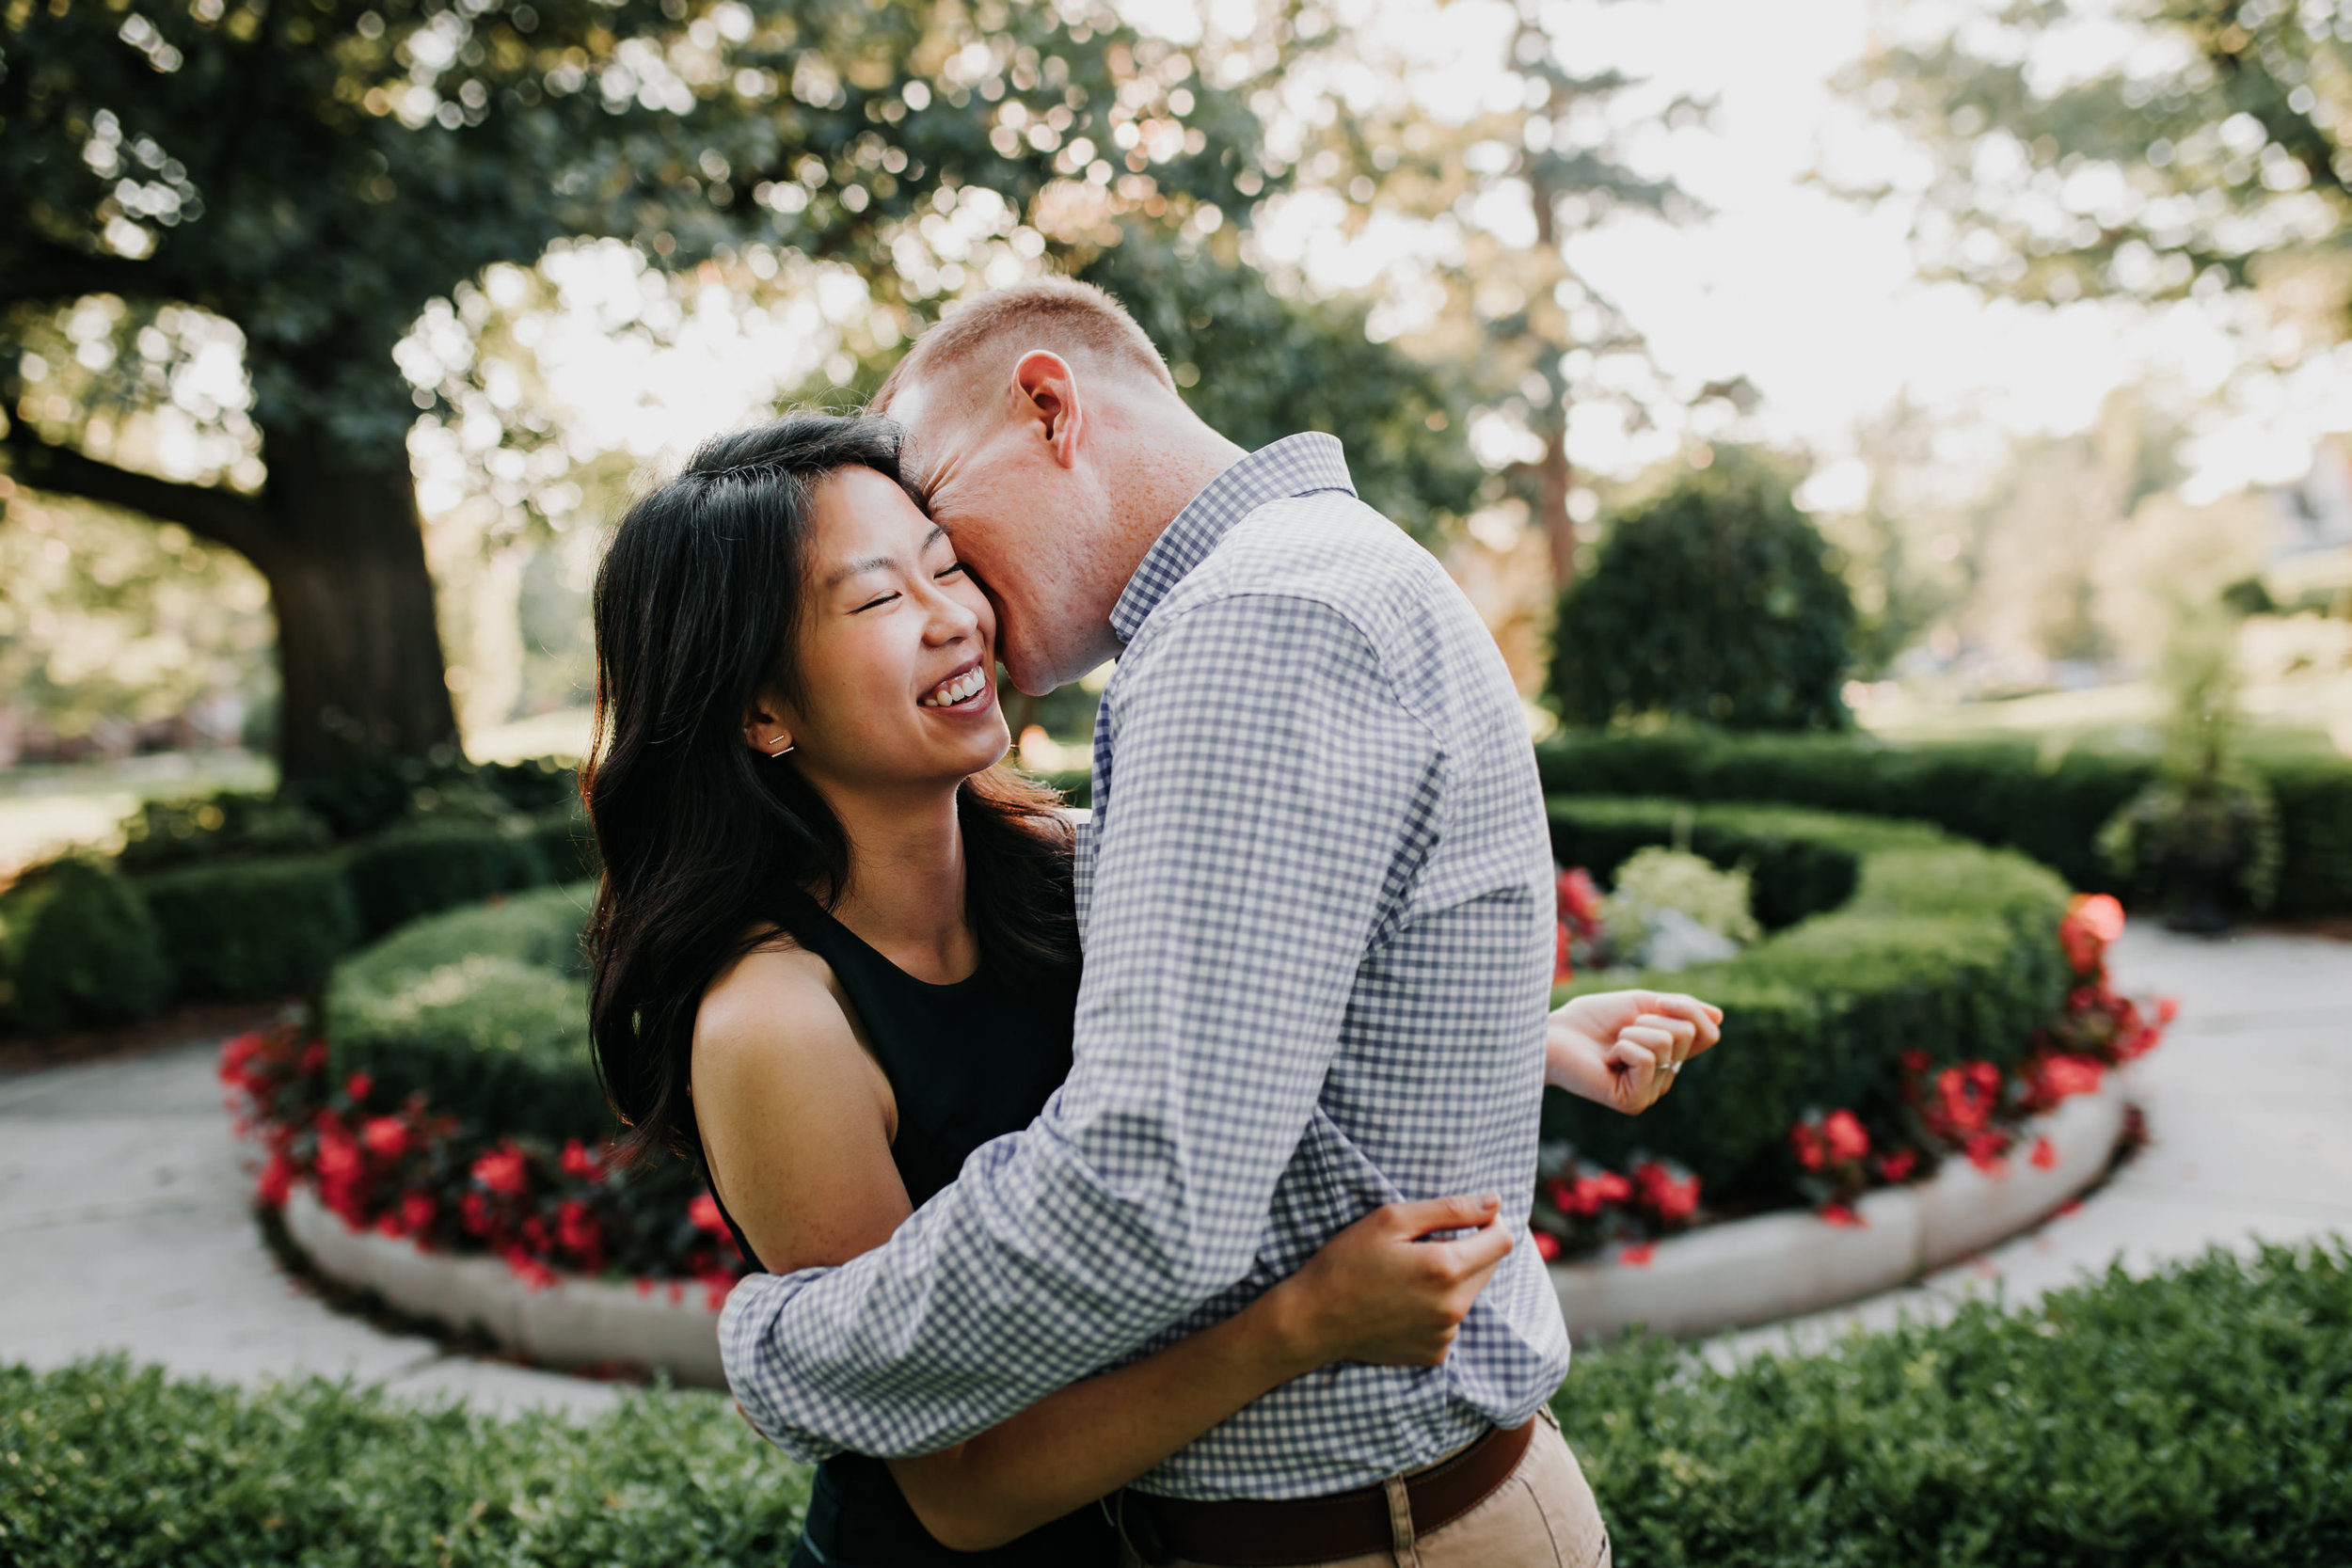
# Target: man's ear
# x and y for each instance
(1046, 393)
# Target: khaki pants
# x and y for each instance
(1542, 1516)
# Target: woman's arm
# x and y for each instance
(1624, 1049)
(796, 1121)
(1376, 1293)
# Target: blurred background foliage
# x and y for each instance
(327, 401)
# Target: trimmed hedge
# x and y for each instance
(1998, 793)
(1943, 945)
(77, 949)
(108, 1468)
(485, 1010)
(421, 868)
(254, 928)
(2196, 1418)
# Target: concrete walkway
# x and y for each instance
(2249, 1118)
(123, 1198)
(125, 1221)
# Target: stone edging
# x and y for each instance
(1782, 1265)
(1730, 1275)
(572, 1323)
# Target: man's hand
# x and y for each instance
(1624, 1049)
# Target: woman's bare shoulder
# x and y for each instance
(777, 998)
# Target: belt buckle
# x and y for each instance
(1142, 1532)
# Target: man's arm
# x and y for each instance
(1270, 800)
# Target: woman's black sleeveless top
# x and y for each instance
(967, 1062)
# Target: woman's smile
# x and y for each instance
(968, 690)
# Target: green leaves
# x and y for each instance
(2198, 1417)
(1713, 602)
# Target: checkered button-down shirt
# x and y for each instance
(1315, 903)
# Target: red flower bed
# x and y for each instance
(410, 1170)
(1967, 1110)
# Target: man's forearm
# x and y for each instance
(984, 1302)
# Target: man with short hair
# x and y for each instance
(1315, 894)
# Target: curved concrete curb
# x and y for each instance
(572, 1323)
(1776, 1266)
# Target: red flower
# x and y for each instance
(239, 1051)
(1562, 966)
(277, 1181)
(1546, 1245)
(357, 1086)
(579, 1162)
(504, 1171)
(576, 1230)
(1640, 1254)
(385, 1137)
(474, 1211)
(2167, 1008)
(389, 1223)
(339, 1154)
(418, 1212)
(1806, 1139)
(1843, 1216)
(1896, 1166)
(1842, 1131)
(1578, 900)
(703, 1213)
(1915, 1061)
(2093, 921)
(1672, 1198)
(314, 1057)
(1984, 1149)
(2045, 1155)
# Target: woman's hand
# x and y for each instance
(1624, 1049)
(1379, 1292)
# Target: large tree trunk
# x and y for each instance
(359, 652)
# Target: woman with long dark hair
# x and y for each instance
(835, 952)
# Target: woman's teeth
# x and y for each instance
(954, 691)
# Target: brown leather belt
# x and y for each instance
(1249, 1533)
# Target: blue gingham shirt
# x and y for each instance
(1316, 909)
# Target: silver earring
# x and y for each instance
(780, 751)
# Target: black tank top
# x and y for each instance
(967, 1062)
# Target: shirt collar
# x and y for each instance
(1293, 465)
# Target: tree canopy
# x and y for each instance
(2201, 144)
(1714, 600)
(293, 185)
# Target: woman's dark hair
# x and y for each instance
(698, 606)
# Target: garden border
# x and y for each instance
(1736, 1274)
(573, 1323)
(1784, 1264)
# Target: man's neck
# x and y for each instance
(1167, 462)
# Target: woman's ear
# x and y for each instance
(767, 729)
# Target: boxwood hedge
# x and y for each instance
(2000, 793)
(1889, 935)
(253, 928)
(484, 1009)
(2196, 1418)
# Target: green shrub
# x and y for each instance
(233, 822)
(1995, 792)
(421, 868)
(107, 1468)
(78, 948)
(485, 1010)
(1714, 601)
(256, 927)
(566, 842)
(1943, 945)
(2196, 1418)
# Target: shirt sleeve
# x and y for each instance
(1268, 803)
